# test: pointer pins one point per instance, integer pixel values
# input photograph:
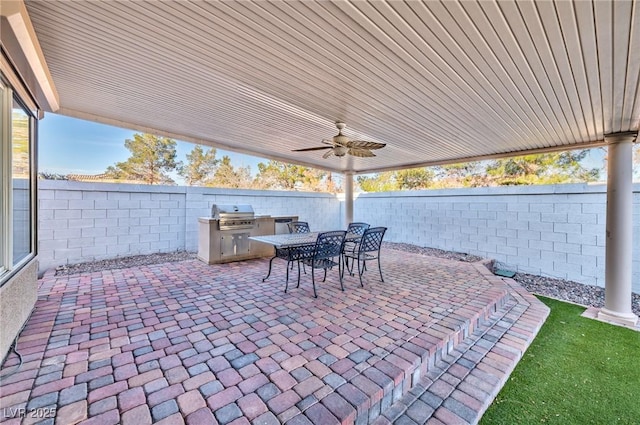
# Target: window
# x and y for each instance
(17, 186)
(21, 182)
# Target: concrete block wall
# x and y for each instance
(556, 231)
(92, 221)
(80, 222)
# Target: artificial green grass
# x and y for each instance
(576, 371)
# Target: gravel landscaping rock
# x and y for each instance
(432, 252)
(124, 262)
(565, 290)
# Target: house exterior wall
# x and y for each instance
(91, 221)
(556, 231)
(17, 298)
(18, 147)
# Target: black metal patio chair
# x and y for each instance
(326, 254)
(291, 255)
(356, 228)
(299, 227)
(368, 249)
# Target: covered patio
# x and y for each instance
(435, 82)
(192, 343)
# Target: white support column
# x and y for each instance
(348, 198)
(619, 242)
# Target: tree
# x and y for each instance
(226, 175)
(410, 179)
(466, 174)
(380, 182)
(278, 175)
(546, 168)
(414, 178)
(115, 173)
(47, 175)
(152, 157)
(281, 176)
(200, 166)
(330, 185)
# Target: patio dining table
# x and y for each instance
(291, 240)
(291, 246)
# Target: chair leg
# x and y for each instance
(340, 272)
(380, 269)
(325, 275)
(298, 285)
(269, 272)
(286, 286)
(360, 271)
(353, 261)
(313, 282)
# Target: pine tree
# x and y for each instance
(278, 175)
(152, 157)
(200, 166)
(226, 175)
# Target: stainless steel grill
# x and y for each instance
(233, 217)
(224, 235)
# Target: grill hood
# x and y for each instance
(231, 211)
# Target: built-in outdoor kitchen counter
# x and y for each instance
(224, 237)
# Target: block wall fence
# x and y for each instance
(556, 231)
(80, 222)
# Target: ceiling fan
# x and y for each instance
(340, 145)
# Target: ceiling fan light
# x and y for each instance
(340, 139)
(340, 151)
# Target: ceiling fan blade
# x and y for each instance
(362, 153)
(362, 144)
(318, 148)
(328, 142)
(327, 154)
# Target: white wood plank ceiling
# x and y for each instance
(436, 81)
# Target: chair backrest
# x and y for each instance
(329, 244)
(357, 228)
(299, 227)
(372, 239)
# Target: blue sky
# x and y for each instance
(73, 146)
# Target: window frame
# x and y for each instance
(9, 95)
(5, 169)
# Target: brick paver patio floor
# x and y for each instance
(193, 343)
